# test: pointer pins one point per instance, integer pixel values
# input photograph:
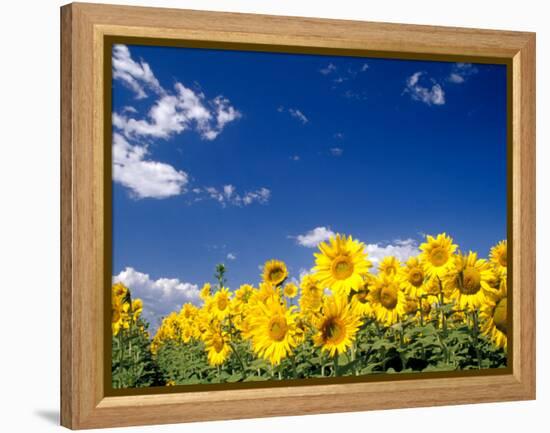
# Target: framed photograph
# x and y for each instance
(269, 216)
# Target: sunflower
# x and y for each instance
(437, 254)
(219, 304)
(337, 326)
(412, 277)
(312, 295)
(389, 265)
(243, 293)
(290, 290)
(470, 281)
(360, 299)
(499, 256)
(206, 291)
(493, 316)
(217, 346)
(275, 272)
(342, 264)
(188, 311)
(120, 291)
(117, 314)
(272, 328)
(388, 301)
(137, 309)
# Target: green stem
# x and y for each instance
(236, 352)
(476, 338)
(336, 364)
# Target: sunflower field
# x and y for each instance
(443, 310)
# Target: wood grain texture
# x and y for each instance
(84, 27)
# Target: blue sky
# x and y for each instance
(240, 157)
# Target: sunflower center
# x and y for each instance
(362, 296)
(333, 331)
(277, 328)
(471, 281)
(388, 297)
(116, 316)
(503, 259)
(217, 344)
(342, 267)
(276, 275)
(222, 303)
(500, 316)
(439, 256)
(416, 277)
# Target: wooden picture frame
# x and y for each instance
(84, 30)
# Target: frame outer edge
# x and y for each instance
(79, 408)
(66, 234)
(528, 208)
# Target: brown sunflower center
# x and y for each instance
(217, 344)
(222, 303)
(277, 328)
(333, 331)
(416, 277)
(362, 296)
(471, 281)
(276, 275)
(388, 297)
(116, 316)
(342, 267)
(500, 316)
(502, 259)
(439, 256)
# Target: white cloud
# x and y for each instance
(129, 109)
(172, 113)
(433, 95)
(336, 151)
(338, 135)
(295, 158)
(460, 72)
(401, 249)
(297, 114)
(161, 296)
(144, 178)
(313, 237)
(455, 78)
(228, 195)
(136, 75)
(364, 67)
(328, 69)
(231, 256)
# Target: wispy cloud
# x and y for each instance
(231, 256)
(431, 93)
(313, 237)
(297, 114)
(143, 177)
(228, 195)
(338, 135)
(336, 151)
(329, 69)
(160, 296)
(175, 113)
(460, 72)
(137, 76)
(295, 158)
(400, 248)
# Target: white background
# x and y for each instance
(29, 219)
